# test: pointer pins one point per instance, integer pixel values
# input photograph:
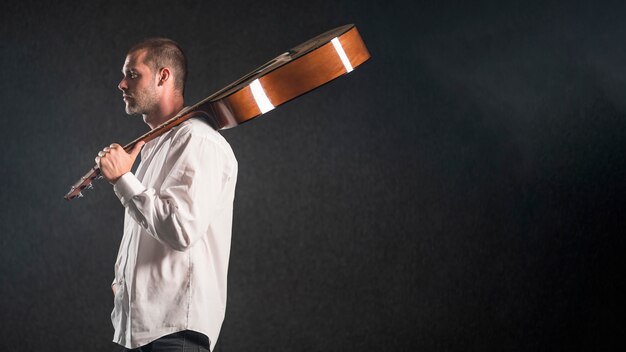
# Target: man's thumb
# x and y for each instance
(137, 149)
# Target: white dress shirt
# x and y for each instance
(172, 263)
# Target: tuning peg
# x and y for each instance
(90, 186)
(80, 194)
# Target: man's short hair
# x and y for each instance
(163, 52)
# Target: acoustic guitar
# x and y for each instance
(291, 74)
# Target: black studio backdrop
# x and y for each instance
(462, 190)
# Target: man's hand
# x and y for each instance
(114, 162)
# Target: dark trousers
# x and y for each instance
(182, 341)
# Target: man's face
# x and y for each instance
(139, 85)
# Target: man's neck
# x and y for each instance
(164, 111)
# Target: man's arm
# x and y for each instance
(189, 198)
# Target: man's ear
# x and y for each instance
(164, 75)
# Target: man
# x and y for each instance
(170, 273)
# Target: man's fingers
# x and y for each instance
(114, 161)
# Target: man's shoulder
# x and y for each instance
(199, 128)
(196, 126)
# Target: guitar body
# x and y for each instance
(297, 71)
(288, 76)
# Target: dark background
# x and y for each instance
(462, 190)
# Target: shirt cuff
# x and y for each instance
(127, 187)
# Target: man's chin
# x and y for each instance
(132, 110)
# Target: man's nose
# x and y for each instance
(122, 85)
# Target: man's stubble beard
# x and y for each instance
(142, 103)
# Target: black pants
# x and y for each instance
(182, 341)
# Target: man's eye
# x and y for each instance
(133, 75)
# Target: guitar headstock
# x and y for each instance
(84, 183)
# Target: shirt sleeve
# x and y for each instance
(181, 210)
